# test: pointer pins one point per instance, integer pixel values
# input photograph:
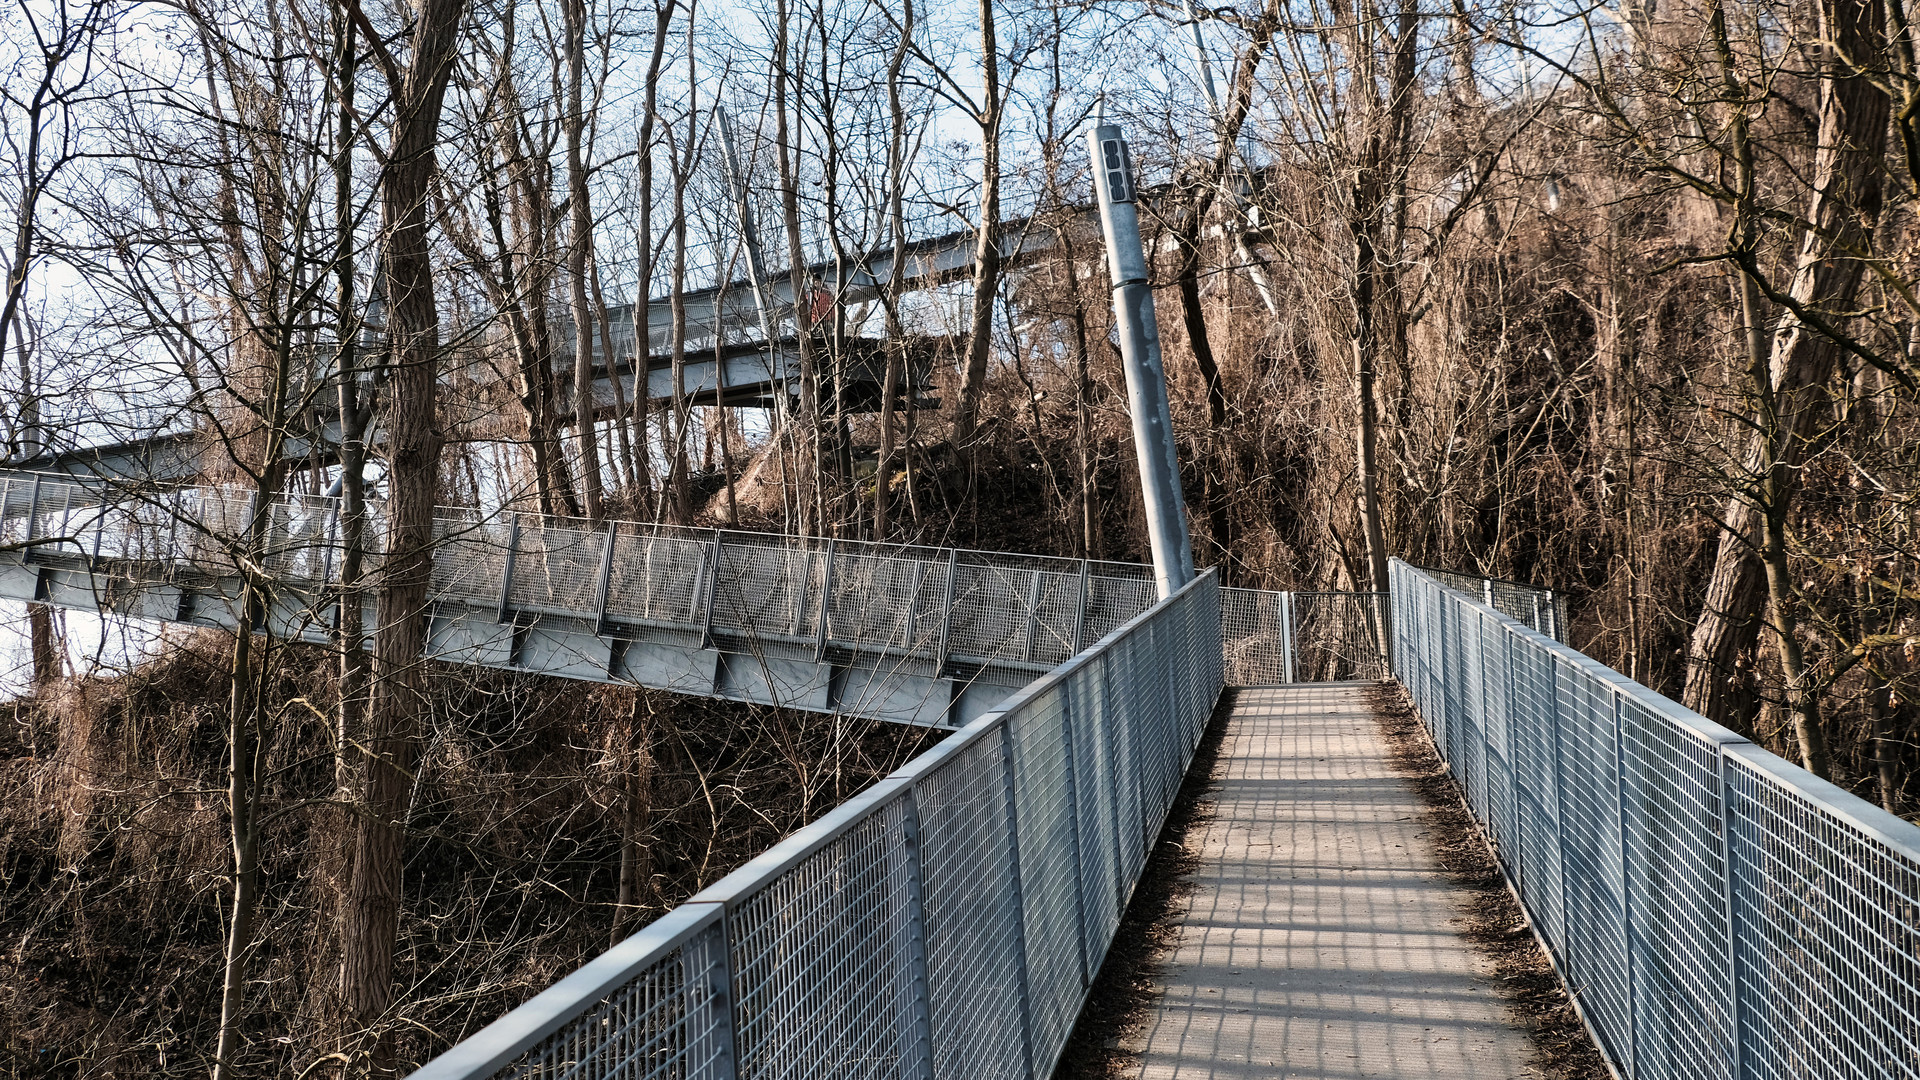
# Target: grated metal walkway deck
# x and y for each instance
(1320, 941)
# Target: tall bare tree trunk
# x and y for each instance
(643, 256)
(350, 606)
(812, 493)
(413, 445)
(897, 268)
(573, 15)
(986, 244)
(1790, 393)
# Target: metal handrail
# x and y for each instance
(1716, 911)
(900, 926)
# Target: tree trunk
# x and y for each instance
(636, 864)
(414, 441)
(890, 296)
(986, 245)
(1846, 200)
(579, 245)
(643, 257)
(812, 496)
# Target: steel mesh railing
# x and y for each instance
(1272, 638)
(1714, 911)
(1016, 614)
(1539, 608)
(945, 923)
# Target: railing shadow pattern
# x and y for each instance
(1715, 911)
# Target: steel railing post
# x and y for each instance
(1033, 614)
(99, 534)
(1559, 806)
(1016, 897)
(605, 585)
(505, 612)
(1736, 1039)
(826, 603)
(918, 987)
(1068, 716)
(946, 614)
(1626, 884)
(66, 515)
(33, 518)
(327, 545)
(1080, 611)
(1518, 861)
(713, 591)
(1286, 637)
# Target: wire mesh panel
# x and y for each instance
(1596, 909)
(1049, 884)
(1095, 805)
(943, 923)
(1255, 637)
(657, 579)
(761, 590)
(839, 919)
(471, 559)
(644, 1030)
(876, 602)
(1715, 911)
(1056, 631)
(1112, 602)
(1538, 609)
(974, 959)
(1827, 911)
(1536, 862)
(1339, 636)
(1676, 889)
(992, 611)
(556, 570)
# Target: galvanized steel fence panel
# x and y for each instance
(946, 923)
(1541, 609)
(1716, 913)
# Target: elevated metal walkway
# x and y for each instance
(1716, 913)
(916, 635)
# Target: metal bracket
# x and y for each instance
(946, 615)
(606, 581)
(1080, 614)
(505, 613)
(826, 605)
(712, 588)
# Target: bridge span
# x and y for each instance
(1714, 912)
(918, 635)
